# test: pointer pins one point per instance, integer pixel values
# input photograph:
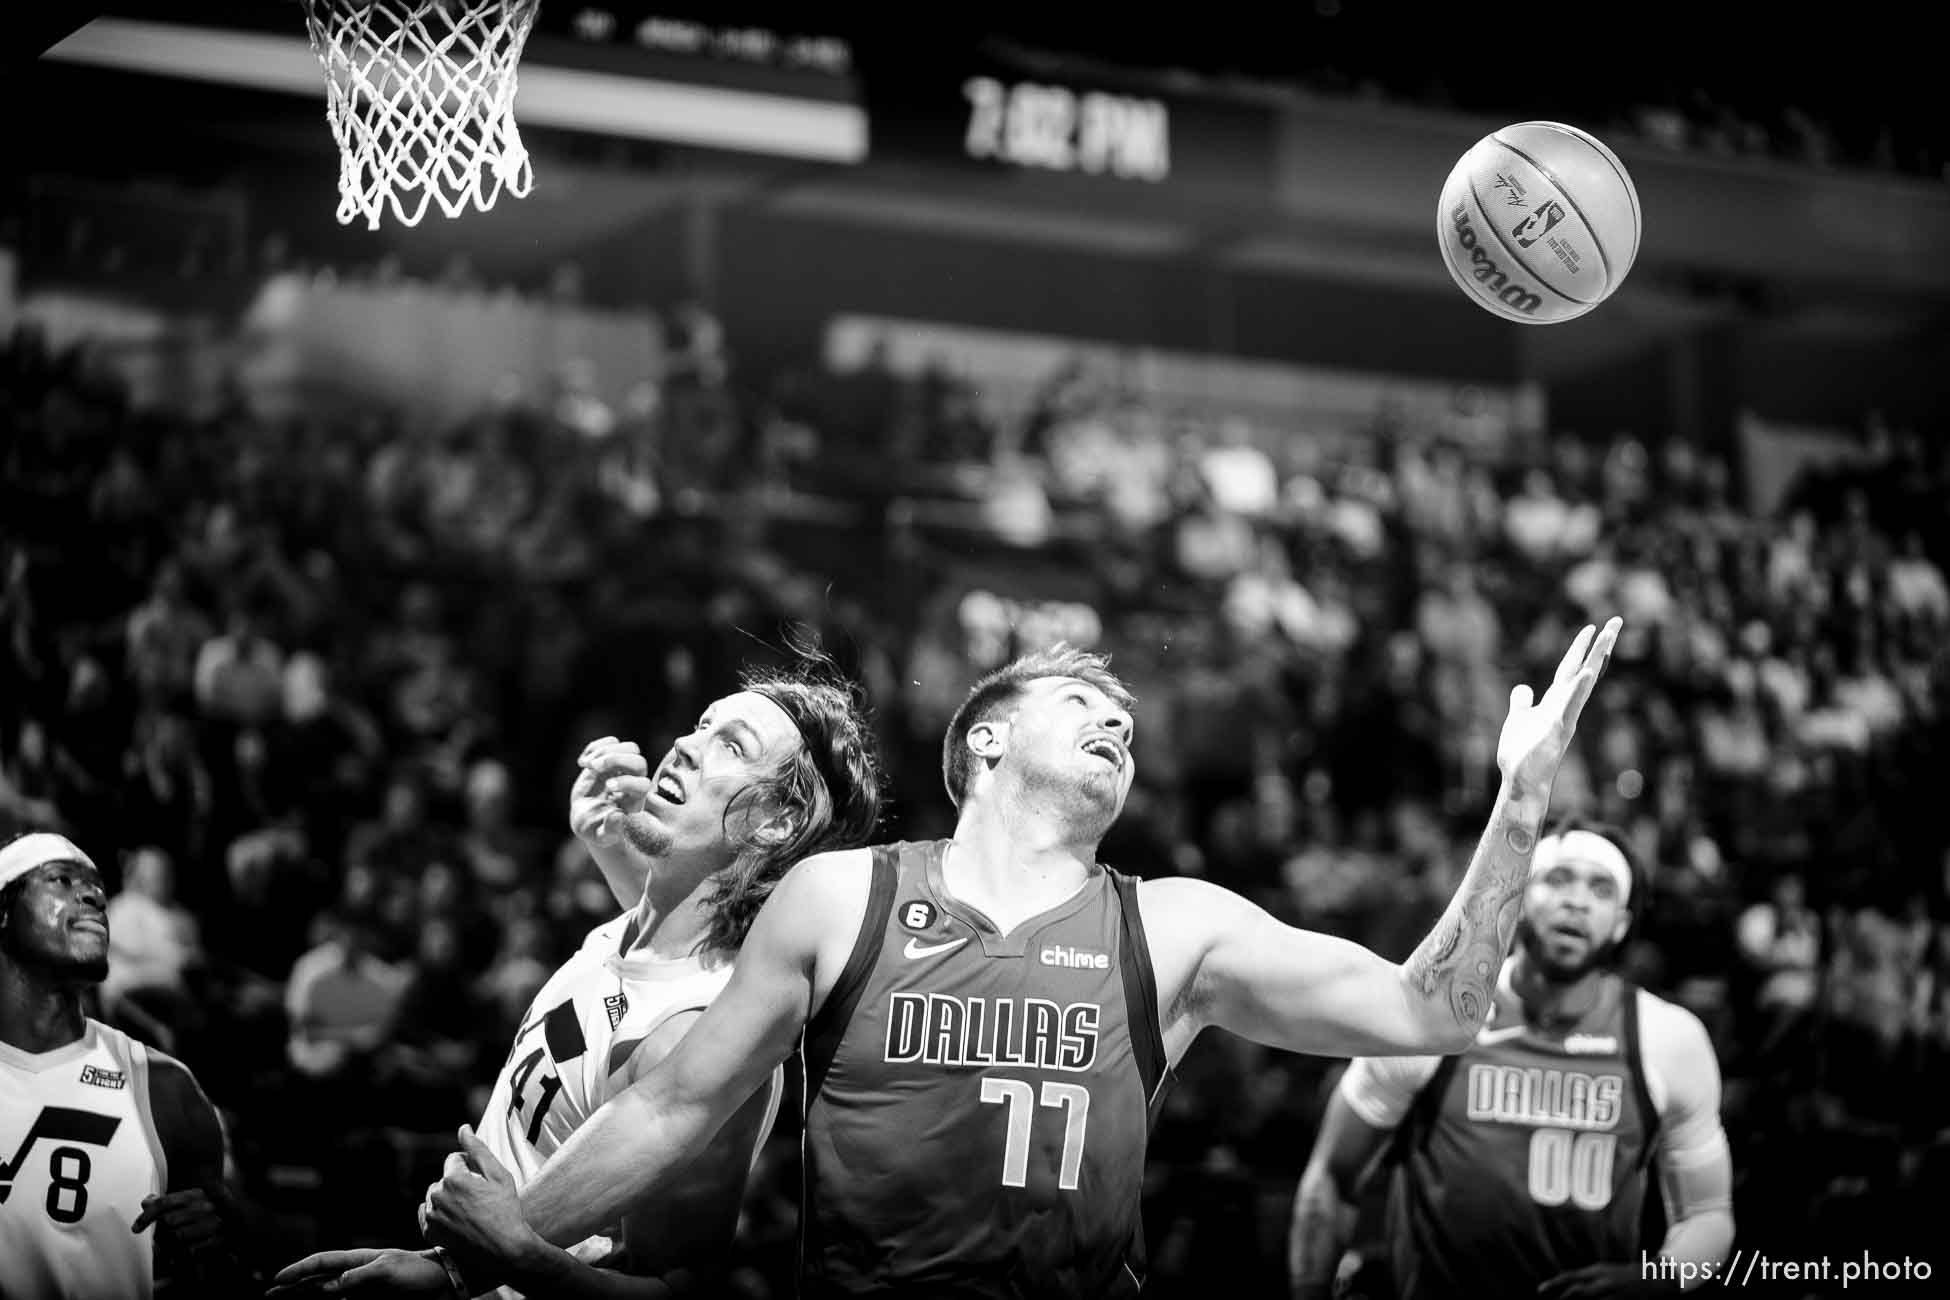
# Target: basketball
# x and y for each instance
(1539, 223)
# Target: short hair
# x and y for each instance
(830, 791)
(997, 692)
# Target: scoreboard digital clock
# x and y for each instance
(1033, 124)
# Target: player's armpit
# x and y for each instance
(638, 1140)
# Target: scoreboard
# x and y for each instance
(1057, 128)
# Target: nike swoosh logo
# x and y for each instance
(915, 948)
(1488, 1036)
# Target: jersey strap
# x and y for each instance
(1420, 1120)
(1635, 1063)
(822, 1037)
(1140, 993)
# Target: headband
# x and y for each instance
(37, 850)
(1588, 847)
(821, 760)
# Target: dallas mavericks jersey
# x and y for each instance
(980, 1103)
(575, 1046)
(79, 1150)
(1526, 1155)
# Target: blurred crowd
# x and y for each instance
(312, 689)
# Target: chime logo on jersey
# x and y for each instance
(941, 1029)
(1591, 1045)
(1074, 958)
(1516, 1094)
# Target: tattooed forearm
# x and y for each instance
(1456, 966)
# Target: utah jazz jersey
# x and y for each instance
(1526, 1155)
(979, 1103)
(576, 1045)
(79, 1150)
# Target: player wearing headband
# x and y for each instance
(110, 1154)
(1519, 1166)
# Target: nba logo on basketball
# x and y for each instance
(1527, 231)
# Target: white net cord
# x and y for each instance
(420, 95)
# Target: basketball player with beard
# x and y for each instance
(1519, 1165)
(783, 768)
(987, 1022)
(112, 1179)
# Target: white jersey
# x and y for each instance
(575, 1050)
(79, 1151)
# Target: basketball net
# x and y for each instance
(420, 95)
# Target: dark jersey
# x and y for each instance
(1524, 1156)
(979, 1104)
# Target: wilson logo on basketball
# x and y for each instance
(1487, 272)
(1075, 958)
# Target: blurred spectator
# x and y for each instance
(154, 945)
(239, 674)
(499, 854)
(30, 780)
(1780, 939)
(342, 1002)
(437, 1035)
(518, 972)
(165, 634)
(1916, 585)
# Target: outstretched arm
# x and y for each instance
(1224, 961)
(640, 1139)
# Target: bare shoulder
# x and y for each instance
(1667, 1025)
(1184, 908)
(837, 875)
(813, 915)
(186, 1123)
(1675, 1043)
(173, 1088)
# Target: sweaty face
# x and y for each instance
(741, 739)
(59, 923)
(1573, 917)
(1066, 734)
